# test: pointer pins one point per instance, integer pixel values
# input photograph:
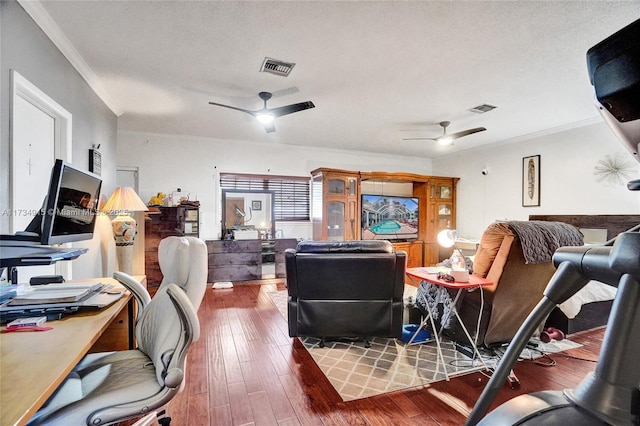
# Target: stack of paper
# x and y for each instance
(56, 293)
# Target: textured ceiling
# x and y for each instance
(376, 71)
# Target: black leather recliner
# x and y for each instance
(350, 289)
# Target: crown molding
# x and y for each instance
(40, 16)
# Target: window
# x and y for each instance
(291, 201)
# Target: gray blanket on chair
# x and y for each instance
(540, 239)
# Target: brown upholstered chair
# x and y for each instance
(517, 284)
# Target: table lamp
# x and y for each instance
(447, 238)
(122, 201)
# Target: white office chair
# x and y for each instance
(109, 387)
(183, 261)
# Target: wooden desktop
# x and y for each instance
(33, 364)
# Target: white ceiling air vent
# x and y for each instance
(274, 66)
(481, 109)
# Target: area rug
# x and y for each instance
(389, 364)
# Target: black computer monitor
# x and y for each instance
(69, 210)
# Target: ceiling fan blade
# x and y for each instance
(236, 108)
(463, 133)
(419, 139)
(290, 109)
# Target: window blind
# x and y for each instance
(291, 201)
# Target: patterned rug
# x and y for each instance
(389, 364)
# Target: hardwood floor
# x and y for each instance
(245, 370)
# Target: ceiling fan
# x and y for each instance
(447, 139)
(267, 115)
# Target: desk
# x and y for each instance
(34, 364)
(424, 277)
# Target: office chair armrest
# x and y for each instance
(139, 292)
(174, 377)
(191, 333)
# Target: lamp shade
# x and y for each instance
(124, 199)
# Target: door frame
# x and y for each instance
(23, 88)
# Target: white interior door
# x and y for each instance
(33, 157)
(40, 133)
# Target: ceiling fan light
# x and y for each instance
(264, 118)
(445, 140)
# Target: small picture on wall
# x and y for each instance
(95, 161)
(256, 205)
(531, 181)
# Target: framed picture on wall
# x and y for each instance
(531, 181)
(256, 205)
(95, 161)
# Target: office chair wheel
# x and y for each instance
(165, 421)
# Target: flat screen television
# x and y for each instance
(69, 210)
(392, 218)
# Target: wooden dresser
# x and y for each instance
(241, 260)
(161, 223)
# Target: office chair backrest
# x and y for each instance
(183, 261)
(164, 332)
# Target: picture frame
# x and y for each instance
(256, 205)
(531, 181)
(95, 161)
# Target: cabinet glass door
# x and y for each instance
(444, 215)
(445, 192)
(352, 187)
(335, 186)
(335, 220)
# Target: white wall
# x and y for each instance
(167, 162)
(568, 183)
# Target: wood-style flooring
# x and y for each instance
(246, 370)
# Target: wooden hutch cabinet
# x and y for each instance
(440, 195)
(335, 204)
(165, 222)
(336, 207)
